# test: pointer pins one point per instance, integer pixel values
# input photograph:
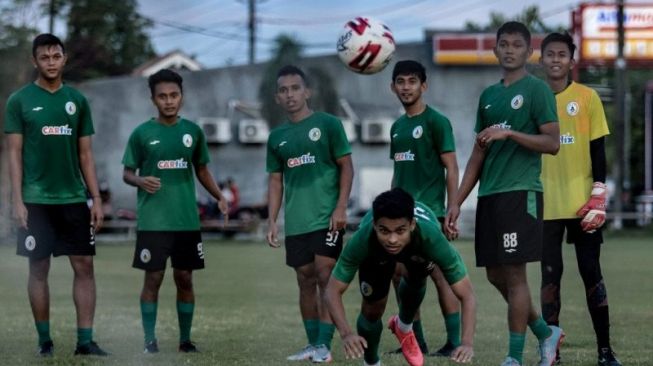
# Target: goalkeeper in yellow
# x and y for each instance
(575, 192)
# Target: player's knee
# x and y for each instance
(551, 274)
(597, 295)
(373, 310)
(184, 280)
(82, 267)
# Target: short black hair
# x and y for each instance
(164, 76)
(409, 67)
(394, 204)
(292, 70)
(562, 38)
(46, 39)
(513, 27)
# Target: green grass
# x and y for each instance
(247, 311)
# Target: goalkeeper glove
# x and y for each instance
(593, 212)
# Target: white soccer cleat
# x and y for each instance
(304, 354)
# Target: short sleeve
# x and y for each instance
(598, 122)
(272, 162)
(443, 135)
(85, 118)
(338, 138)
(132, 157)
(201, 153)
(543, 106)
(439, 250)
(13, 120)
(352, 256)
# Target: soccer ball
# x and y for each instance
(365, 45)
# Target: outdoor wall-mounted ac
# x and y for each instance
(350, 129)
(376, 130)
(253, 131)
(216, 129)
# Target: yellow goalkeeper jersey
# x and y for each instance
(567, 177)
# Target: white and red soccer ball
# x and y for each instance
(365, 45)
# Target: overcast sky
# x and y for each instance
(216, 30)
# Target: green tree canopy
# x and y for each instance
(105, 38)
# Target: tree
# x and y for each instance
(105, 38)
(15, 70)
(288, 51)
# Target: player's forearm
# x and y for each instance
(597, 155)
(542, 143)
(15, 154)
(129, 176)
(345, 182)
(87, 166)
(465, 293)
(452, 181)
(275, 192)
(207, 181)
(336, 307)
(471, 175)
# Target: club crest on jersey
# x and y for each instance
(172, 164)
(71, 108)
(187, 140)
(417, 132)
(314, 134)
(517, 101)
(145, 256)
(567, 139)
(301, 160)
(57, 130)
(366, 289)
(30, 243)
(572, 108)
(404, 156)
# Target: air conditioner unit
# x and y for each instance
(350, 129)
(217, 130)
(376, 130)
(253, 131)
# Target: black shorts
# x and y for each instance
(554, 231)
(301, 249)
(56, 230)
(509, 228)
(375, 275)
(153, 248)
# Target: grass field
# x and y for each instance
(247, 311)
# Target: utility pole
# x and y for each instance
(52, 13)
(252, 31)
(619, 120)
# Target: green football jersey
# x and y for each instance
(523, 106)
(427, 244)
(169, 153)
(417, 143)
(305, 153)
(51, 125)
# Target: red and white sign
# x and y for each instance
(473, 49)
(595, 25)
